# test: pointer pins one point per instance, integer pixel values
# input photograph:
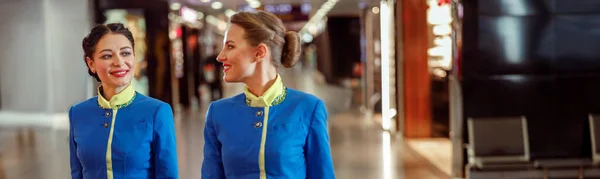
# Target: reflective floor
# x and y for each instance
(360, 149)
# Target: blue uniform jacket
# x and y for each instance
(130, 136)
(282, 134)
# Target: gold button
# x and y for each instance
(259, 113)
(106, 125)
(107, 114)
(258, 124)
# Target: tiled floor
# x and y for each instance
(437, 150)
(360, 150)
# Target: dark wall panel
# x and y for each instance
(344, 33)
(537, 58)
(538, 37)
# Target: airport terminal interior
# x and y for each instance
(413, 89)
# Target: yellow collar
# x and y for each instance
(119, 100)
(272, 96)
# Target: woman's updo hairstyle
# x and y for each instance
(91, 40)
(264, 27)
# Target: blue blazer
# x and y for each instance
(132, 139)
(286, 140)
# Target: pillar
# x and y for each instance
(41, 61)
(414, 33)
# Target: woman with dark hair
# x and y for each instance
(119, 133)
(269, 130)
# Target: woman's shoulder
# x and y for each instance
(144, 101)
(224, 102)
(86, 104)
(140, 102)
(293, 95)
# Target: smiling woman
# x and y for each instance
(269, 130)
(113, 62)
(139, 142)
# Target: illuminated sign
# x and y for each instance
(279, 9)
(439, 16)
(286, 12)
(444, 2)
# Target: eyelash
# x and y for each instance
(230, 46)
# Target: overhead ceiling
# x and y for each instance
(342, 7)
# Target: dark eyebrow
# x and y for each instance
(105, 50)
(109, 50)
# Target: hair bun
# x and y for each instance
(291, 49)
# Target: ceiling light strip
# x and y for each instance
(254, 3)
(318, 16)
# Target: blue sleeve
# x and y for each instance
(75, 164)
(212, 166)
(164, 144)
(318, 153)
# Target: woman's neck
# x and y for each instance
(262, 81)
(109, 91)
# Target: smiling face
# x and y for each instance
(238, 55)
(113, 61)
